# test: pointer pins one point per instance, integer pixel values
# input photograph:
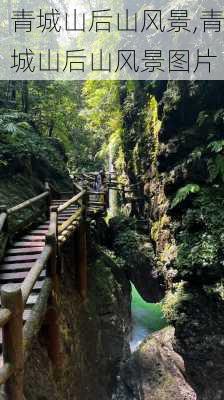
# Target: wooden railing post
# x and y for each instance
(52, 240)
(106, 199)
(85, 202)
(53, 334)
(3, 229)
(11, 297)
(82, 262)
(82, 251)
(49, 198)
(3, 211)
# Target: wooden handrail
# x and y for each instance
(89, 177)
(14, 297)
(12, 334)
(78, 187)
(69, 221)
(53, 226)
(33, 325)
(39, 265)
(74, 200)
(28, 203)
(52, 240)
(34, 273)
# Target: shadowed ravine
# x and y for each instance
(146, 318)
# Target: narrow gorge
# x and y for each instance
(151, 327)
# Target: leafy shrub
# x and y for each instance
(184, 192)
(21, 143)
(216, 146)
(200, 242)
(173, 301)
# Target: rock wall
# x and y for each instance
(185, 190)
(155, 372)
(173, 145)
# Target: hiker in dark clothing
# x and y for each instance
(99, 181)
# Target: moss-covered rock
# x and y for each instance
(137, 253)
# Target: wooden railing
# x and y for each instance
(16, 337)
(95, 198)
(28, 203)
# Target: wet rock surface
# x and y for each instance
(199, 340)
(155, 372)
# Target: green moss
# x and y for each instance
(158, 226)
(173, 302)
(153, 127)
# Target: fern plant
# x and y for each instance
(184, 192)
(216, 162)
(216, 168)
(217, 146)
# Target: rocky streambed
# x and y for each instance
(154, 370)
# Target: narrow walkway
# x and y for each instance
(26, 261)
(23, 253)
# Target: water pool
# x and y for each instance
(146, 318)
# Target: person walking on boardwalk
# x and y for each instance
(100, 180)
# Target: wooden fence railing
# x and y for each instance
(16, 337)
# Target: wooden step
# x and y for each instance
(31, 301)
(59, 202)
(65, 214)
(33, 238)
(28, 244)
(12, 277)
(37, 287)
(16, 267)
(71, 208)
(25, 250)
(17, 259)
(26, 314)
(17, 277)
(39, 232)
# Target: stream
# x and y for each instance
(146, 319)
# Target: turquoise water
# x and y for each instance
(146, 318)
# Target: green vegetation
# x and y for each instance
(173, 302)
(172, 164)
(184, 192)
(201, 238)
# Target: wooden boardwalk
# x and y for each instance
(28, 272)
